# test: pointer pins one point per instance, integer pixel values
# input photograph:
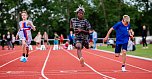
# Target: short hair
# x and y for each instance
(24, 12)
(126, 18)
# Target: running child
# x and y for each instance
(122, 29)
(25, 35)
(81, 27)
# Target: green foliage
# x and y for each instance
(54, 15)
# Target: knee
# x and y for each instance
(124, 52)
(78, 46)
(24, 45)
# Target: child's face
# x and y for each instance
(90, 31)
(80, 15)
(24, 16)
(71, 32)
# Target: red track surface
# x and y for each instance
(63, 64)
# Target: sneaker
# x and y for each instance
(21, 59)
(123, 69)
(82, 61)
(24, 59)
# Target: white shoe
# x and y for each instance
(123, 69)
(21, 59)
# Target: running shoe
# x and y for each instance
(123, 69)
(21, 59)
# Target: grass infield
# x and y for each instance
(147, 52)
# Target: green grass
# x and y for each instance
(138, 52)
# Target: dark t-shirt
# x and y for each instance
(80, 24)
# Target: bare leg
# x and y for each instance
(123, 57)
(79, 48)
(123, 60)
(24, 47)
(27, 51)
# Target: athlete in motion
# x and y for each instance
(122, 29)
(25, 35)
(81, 27)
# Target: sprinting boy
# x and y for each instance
(122, 29)
(25, 35)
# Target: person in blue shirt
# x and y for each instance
(122, 29)
(71, 38)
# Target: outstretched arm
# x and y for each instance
(31, 24)
(109, 32)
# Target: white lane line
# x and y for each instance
(138, 57)
(13, 60)
(42, 71)
(8, 53)
(105, 76)
(118, 61)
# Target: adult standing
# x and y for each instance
(144, 35)
(94, 39)
(9, 40)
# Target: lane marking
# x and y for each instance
(105, 76)
(118, 61)
(13, 60)
(42, 71)
(138, 57)
(8, 53)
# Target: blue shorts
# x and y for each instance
(56, 42)
(120, 46)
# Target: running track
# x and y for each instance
(64, 64)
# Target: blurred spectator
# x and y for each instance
(9, 40)
(61, 39)
(13, 41)
(144, 35)
(45, 37)
(56, 38)
(37, 39)
(94, 39)
(3, 41)
(91, 38)
(71, 38)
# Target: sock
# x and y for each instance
(24, 54)
(123, 65)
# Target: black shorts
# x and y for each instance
(84, 43)
(45, 40)
(71, 42)
(121, 46)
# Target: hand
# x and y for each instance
(16, 37)
(28, 24)
(34, 29)
(105, 39)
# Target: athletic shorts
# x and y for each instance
(45, 40)
(84, 43)
(56, 42)
(121, 46)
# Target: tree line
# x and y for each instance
(54, 15)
